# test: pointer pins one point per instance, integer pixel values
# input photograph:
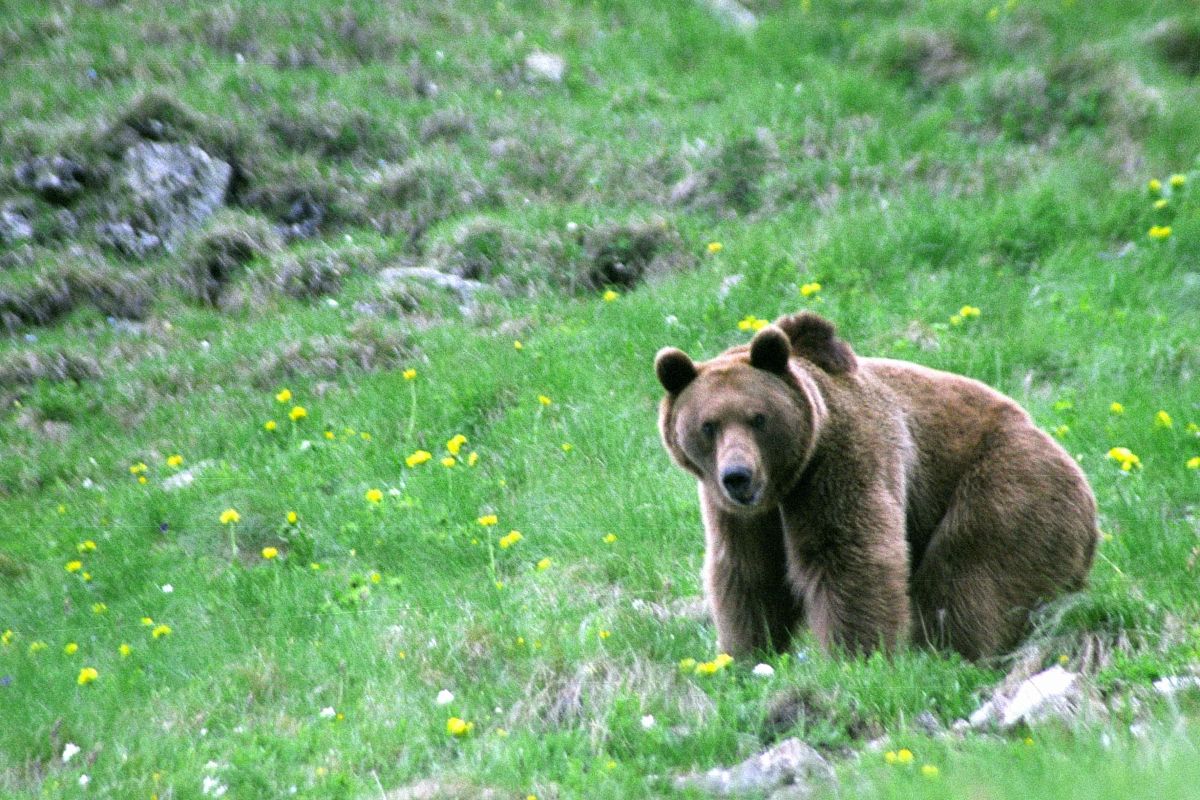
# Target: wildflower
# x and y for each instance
(292, 518)
(714, 248)
(1161, 203)
(455, 444)
(99, 608)
(1193, 462)
(297, 413)
(74, 566)
(488, 520)
(648, 722)
(993, 14)
(751, 323)
(87, 675)
(610, 538)
(1064, 659)
(1125, 457)
(36, 647)
(376, 577)
(284, 395)
(1163, 420)
(418, 458)
(448, 462)
(70, 751)
(809, 289)
(366, 437)
(502, 733)
(890, 756)
(604, 634)
(374, 496)
(142, 479)
(330, 435)
(1178, 180)
(409, 374)
(763, 670)
(472, 459)
(544, 400)
(124, 650)
(459, 727)
(929, 770)
(71, 648)
(544, 565)
(1117, 408)
(270, 425)
(87, 576)
(175, 460)
(1160, 232)
(444, 698)
(1029, 741)
(687, 664)
(270, 552)
(609, 296)
(517, 345)
(567, 447)
(904, 756)
(722, 660)
(1061, 431)
(1154, 185)
(328, 712)
(160, 631)
(511, 538)
(230, 516)
(137, 469)
(6, 638)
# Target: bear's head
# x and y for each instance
(747, 422)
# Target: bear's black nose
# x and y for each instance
(736, 481)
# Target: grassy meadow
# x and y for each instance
(257, 501)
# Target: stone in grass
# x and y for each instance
(397, 281)
(177, 186)
(545, 67)
(56, 179)
(1172, 685)
(1054, 693)
(791, 766)
(14, 225)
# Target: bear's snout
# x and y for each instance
(738, 482)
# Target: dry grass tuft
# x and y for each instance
(214, 257)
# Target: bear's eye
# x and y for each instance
(758, 421)
(709, 429)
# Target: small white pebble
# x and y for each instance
(445, 697)
(305, 445)
(648, 722)
(84, 780)
(328, 713)
(167, 588)
(763, 670)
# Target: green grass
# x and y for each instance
(904, 201)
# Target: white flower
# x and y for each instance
(445, 697)
(167, 588)
(70, 751)
(328, 713)
(84, 780)
(763, 670)
(648, 722)
(213, 787)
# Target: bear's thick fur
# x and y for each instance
(877, 500)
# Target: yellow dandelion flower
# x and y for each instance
(610, 538)
(74, 566)
(456, 726)
(71, 648)
(488, 520)
(968, 312)
(125, 650)
(609, 296)
(1116, 408)
(567, 447)
(1159, 232)
(1161, 203)
(687, 664)
(374, 496)
(292, 518)
(993, 14)
(1125, 457)
(706, 668)
(270, 552)
(1064, 659)
(366, 437)
(472, 459)
(297, 413)
(751, 323)
(1193, 462)
(890, 756)
(544, 565)
(723, 660)
(1154, 185)
(904, 756)
(87, 675)
(1029, 741)
(1163, 420)
(36, 647)
(230, 516)
(330, 435)
(137, 469)
(1178, 180)
(1061, 431)
(449, 461)
(1193, 428)
(142, 479)
(376, 577)
(517, 345)
(544, 400)
(175, 460)
(270, 425)
(86, 546)
(511, 538)
(160, 631)
(147, 621)
(929, 770)
(455, 444)
(605, 634)
(418, 458)
(6, 638)
(315, 567)
(809, 289)
(87, 576)
(283, 395)
(409, 374)
(610, 764)
(714, 248)
(99, 608)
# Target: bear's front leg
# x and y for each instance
(745, 579)
(852, 570)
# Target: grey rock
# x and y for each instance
(56, 178)
(395, 278)
(789, 769)
(185, 477)
(927, 723)
(67, 222)
(1174, 684)
(302, 220)
(732, 13)
(547, 67)
(177, 186)
(14, 225)
(1054, 693)
(127, 240)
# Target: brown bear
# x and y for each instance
(879, 500)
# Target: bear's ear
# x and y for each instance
(815, 338)
(675, 369)
(770, 350)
